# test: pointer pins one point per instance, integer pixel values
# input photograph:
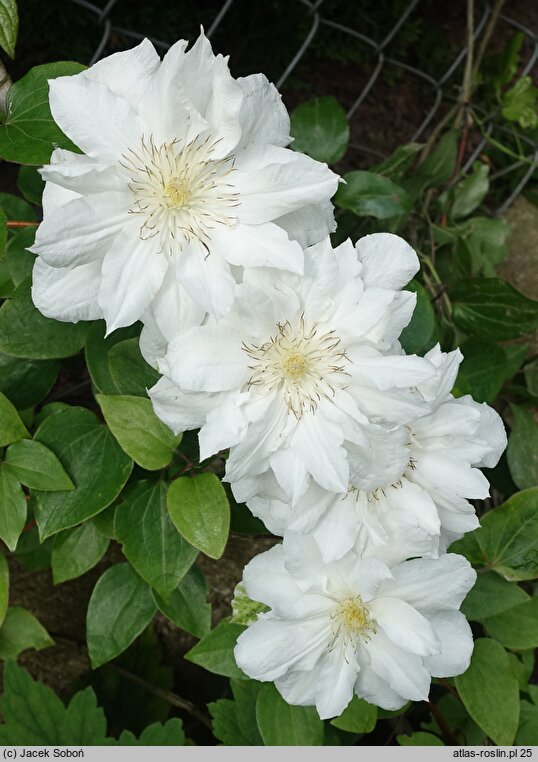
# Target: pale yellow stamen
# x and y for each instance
(351, 621)
(176, 193)
(294, 366)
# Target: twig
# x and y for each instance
(171, 698)
(17, 224)
(486, 38)
(444, 682)
(447, 734)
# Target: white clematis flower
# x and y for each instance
(426, 473)
(298, 367)
(379, 629)
(184, 171)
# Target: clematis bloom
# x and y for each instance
(377, 629)
(184, 174)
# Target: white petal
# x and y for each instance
(132, 275)
(207, 358)
(81, 174)
(405, 626)
(456, 640)
(128, 73)
(197, 73)
(290, 181)
(258, 246)
(268, 581)
(103, 125)
(269, 647)
(317, 442)
(375, 690)
(440, 473)
(389, 261)
(263, 116)
(370, 368)
(309, 224)
(290, 473)
(67, 294)
(336, 673)
(298, 687)
(206, 278)
(337, 529)
(403, 671)
(431, 584)
(223, 109)
(82, 230)
(225, 426)
(180, 411)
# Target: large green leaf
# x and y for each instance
(419, 739)
(129, 370)
(20, 261)
(370, 195)
(492, 309)
(281, 724)
(516, 627)
(76, 551)
(483, 369)
(28, 132)
(93, 460)
(36, 466)
(522, 452)
(490, 691)
(30, 184)
(199, 508)
(150, 541)
(121, 606)
(188, 606)
(97, 349)
(9, 26)
(417, 335)
(12, 508)
(507, 541)
(358, 717)
(20, 631)
(320, 129)
(12, 429)
(470, 192)
(26, 382)
(24, 332)
(4, 587)
(225, 723)
(168, 734)
(491, 595)
(147, 440)
(215, 651)
(35, 716)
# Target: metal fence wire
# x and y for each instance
(442, 89)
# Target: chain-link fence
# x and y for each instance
(442, 89)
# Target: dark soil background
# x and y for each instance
(261, 36)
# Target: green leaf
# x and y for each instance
(35, 716)
(245, 693)
(399, 161)
(26, 382)
(527, 734)
(4, 587)
(20, 261)
(417, 335)
(139, 432)
(502, 66)
(483, 369)
(281, 724)
(320, 129)
(491, 595)
(485, 238)
(36, 466)
(517, 627)
(522, 452)
(20, 631)
(187, 606)
(199, 508)
(215, 651)
(531, 377)
(438, 168)
(507, 541)
(470, 192)
(519, 103)
(12, 508)
(244, 609)
(226, 723)
(25, 332)
(492, 309)
(76, 551)
(370, 195)
(12, 429)
(157, 734)
(419, 739)
(30, 184)
(358, 717)
(150, 541)
(93, 460)
(130, 372)
(121, 606)
(28, 132)
(97, 349)
(490, 692)
(9, 26)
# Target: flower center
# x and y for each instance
(180, 191)
(351, 620)
(304, 363)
